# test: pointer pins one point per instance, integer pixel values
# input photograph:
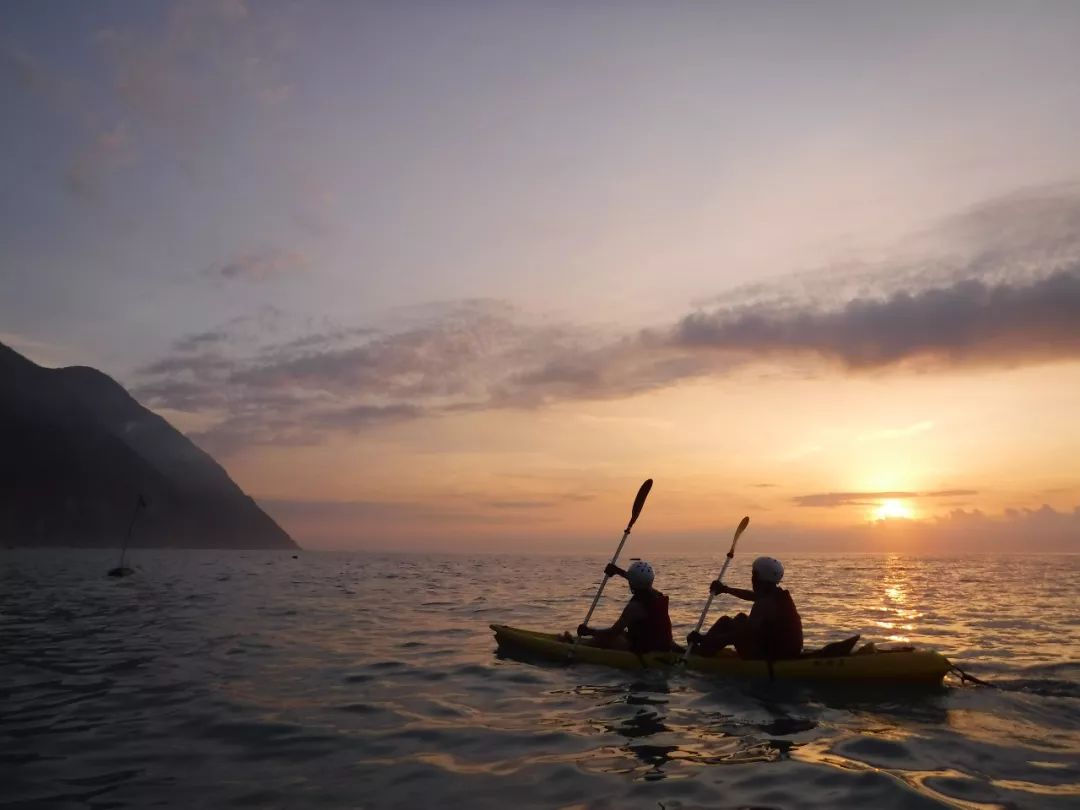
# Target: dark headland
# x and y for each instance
(76, 452)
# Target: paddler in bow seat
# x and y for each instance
(772, 631)
(644, 625)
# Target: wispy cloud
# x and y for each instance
(263, 265)
(173, 80)
(201, 50)
(1015, 238)
(200, 340)
(382, 524)
(106, 153)
(898, 433)
(835, 499)
(33, 76)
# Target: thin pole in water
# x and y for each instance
(119, 571)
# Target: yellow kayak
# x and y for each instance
(869, 666)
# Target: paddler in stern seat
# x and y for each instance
(644, 625)
(772, 631)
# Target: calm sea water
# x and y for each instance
(241, 679)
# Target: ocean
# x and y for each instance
(357, 680)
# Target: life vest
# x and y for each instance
(785, 637)
(780, 637)
(653, 632)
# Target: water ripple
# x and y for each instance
(250, 679)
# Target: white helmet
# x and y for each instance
(768, 570)
(640, 575)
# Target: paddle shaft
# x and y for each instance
(708, 604)
(639, 502)
(723, 570)
(604, 581)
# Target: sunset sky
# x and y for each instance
(462, 275)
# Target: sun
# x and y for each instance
(892, 509)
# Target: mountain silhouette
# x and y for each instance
(76, 452)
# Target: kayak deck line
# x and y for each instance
(877, 666)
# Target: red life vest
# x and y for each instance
(653, 632)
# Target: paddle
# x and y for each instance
(639, 502)
(708, 603)
(120, 570)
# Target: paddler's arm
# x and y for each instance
(716, 587)
(610, 570)
(606, 635)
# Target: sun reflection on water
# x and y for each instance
(896, 588)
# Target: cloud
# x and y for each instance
(262, 266)
(205, 58)
(482, 354)
(106, 147)
(459, 357)
(968, 323)
(1014, 235)
(1043, 528)
(384, 524)
(479, 357)
(463, 356)
(835, 499)
(105, 154)
(898, 433)
(202, 366)
(522, 504)
(355, 417)
(1017, 237)
(61, 95)
(196, 342)
(174, 79)
(181, 395)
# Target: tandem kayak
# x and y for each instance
(868, 666)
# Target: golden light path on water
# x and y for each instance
(896, 617)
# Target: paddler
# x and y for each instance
(772, 631)
(644, 625)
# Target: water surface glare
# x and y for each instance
(251, 679)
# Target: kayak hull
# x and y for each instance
(885, 666)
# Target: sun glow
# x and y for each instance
(893, 510)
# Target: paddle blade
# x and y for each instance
(639, 502)
(742, 526)
(738, 532)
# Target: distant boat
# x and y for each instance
(121, 570)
